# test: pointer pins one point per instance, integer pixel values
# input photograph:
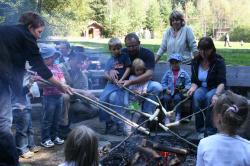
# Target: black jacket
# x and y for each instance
(216, 73)
(18, 45)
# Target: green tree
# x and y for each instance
(11, 10)
(165, 10)
(153, 16)
(99, 9)
(136, 16)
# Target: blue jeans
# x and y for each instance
(154, 88)
(167, 99)
(52, 108)
(5, 107)
(117, 98)
(201, 99)
(8, 151)
(24, 131)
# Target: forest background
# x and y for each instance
(118, 17)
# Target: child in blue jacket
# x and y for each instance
(175, 82)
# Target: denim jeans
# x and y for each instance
(24, 131)
(167, 99)
(52, 108)
(201, 99)
(154, 88)
(117, 98)
(8, 151)
(5, 107)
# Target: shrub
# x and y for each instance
(240, 33)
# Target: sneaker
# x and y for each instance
(47, 144)
(27, 155)
(58, 141)
(35, 149)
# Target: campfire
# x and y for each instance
(159, 150)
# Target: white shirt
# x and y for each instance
(223, 150)
(202, 76)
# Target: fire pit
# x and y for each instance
(158, 150)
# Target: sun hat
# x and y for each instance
(175, 56)
(48, 51)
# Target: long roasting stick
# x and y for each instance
(149, 100)
(129, 109)
(103, 107)
(113, 113)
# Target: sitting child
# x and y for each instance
(175, 82)
(132, 101)
(81, 148)
(52, 101)
(226, 148)
(120, 63)
(138, 68)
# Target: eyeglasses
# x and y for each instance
(133, 46)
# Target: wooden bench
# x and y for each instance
(238, 77)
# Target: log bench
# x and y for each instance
(238, 80)
(238, 77)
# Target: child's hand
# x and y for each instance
(35, 78)
(120, 83)
(113, 74)
(127, 83)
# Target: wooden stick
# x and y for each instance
(103, 107)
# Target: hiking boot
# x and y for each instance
(58, 141)
(35, 149)
(27, 155)
(48, 144)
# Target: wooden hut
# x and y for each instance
(94, 30)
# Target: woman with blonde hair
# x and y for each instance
(179, 38)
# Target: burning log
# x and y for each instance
(160, 147)
(148, 155)
(148, 151)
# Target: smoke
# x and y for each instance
(11, 10)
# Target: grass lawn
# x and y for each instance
(235, 55)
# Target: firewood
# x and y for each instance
(160, 147)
